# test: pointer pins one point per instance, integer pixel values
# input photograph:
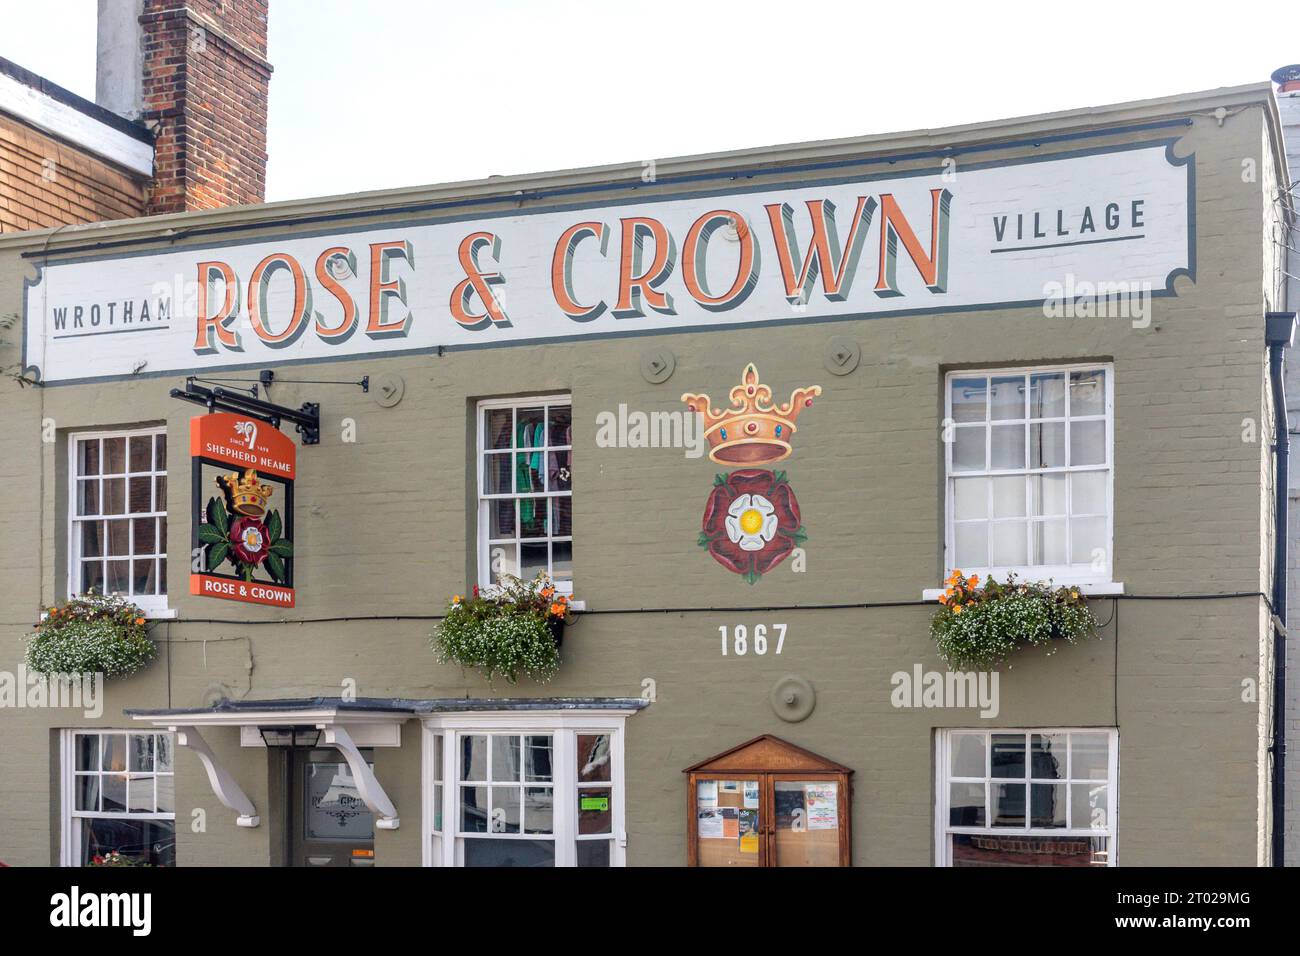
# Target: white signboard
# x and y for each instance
(959, 237)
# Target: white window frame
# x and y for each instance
(564, 728)
(483, 498)
(1092, 582)
(70, 832)
(942, 779)
(154, 605)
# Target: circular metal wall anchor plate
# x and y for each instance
(657, 366)
(841, 356)
(793, 698)
(387, 389)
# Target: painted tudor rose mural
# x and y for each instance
(751, 520)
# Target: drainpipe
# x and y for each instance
(1279, 333)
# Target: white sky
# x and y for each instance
(377, 93)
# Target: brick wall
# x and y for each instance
(205, 86)
(44, 182)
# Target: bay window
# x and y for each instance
(1035, 797)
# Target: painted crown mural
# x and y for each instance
(751, 521)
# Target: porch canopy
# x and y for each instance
(344, 723)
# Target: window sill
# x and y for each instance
(161, 613)
(1093, 589)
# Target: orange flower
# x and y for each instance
(562, 599)
(957, 609)
(557, 609)
(139, 621)
(456, 598)
(973, 580)
(547, 592)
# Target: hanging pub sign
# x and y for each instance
(242, 506)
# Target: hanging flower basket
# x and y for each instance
(978, 628)
(516, 629)
(93, 634)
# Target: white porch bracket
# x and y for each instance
(223, 784)
(368, 788)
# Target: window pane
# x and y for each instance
(114, 751)
(1008, 398)
(1009, 497)
(1090, 756)
(966, 804)
(497, 424)
(162, 575)
(559, 471)
(88, 456)
(533, 559)
(114, 456)
(1008, 755)
(532, 517)
(485, 851)
(160, 452)
(92, 539)
(502, 560)
(968, 395)
(88, 497)
(1047, 445)
(528, 472)
(143, 577)
(1008, 804)
(473, 757)
(92, 577)
(1008, 446)
(1047, 805)
(114, 502)
(1088, 493)
(139, 495)
(146, 538)
(593, 757)
(530, 431)
(537, 758)
(145, 841)
(474, 809)
(970, 498)
(1088, 443)
(505, 810)
(978, 849)
(163, 753)
(968, 449)
(1047, 542)
(140, 750)
(968, 756)
(559, 424)
(160, 493)
(140, 795)
(87, 786)
(562, 561)
(1047, 396)
(119, 577)
(539, 810)
(166, 794)
(1048, 494)
(972, 545)
(595, 810)
(1089, 540)
(114, 791)
(496, 474)
(1089, 806)
(505, 758)
(1010, 544)
(141, 452)
(119, 537)
(501, 518)
(87, 750)
(1048, 757)
(562, 513)
(1088, 392)
(593, 853)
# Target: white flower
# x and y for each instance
(751, 522)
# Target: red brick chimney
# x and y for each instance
(204, 93)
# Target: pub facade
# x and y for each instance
(749, 414)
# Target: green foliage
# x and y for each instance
(506, 633)
(94, 634)
(979, 628)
